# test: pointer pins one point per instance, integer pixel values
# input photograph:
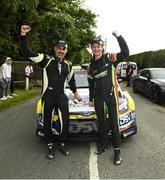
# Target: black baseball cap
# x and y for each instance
(97, 40)
(61, 43)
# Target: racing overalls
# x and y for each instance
(104, 92)
(55, 75)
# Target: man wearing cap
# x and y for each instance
(6, 73)
(55, 73)
(103, 91)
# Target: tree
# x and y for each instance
(50, 20)
(68, 21)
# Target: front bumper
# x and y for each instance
(86, 128)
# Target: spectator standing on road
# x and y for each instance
(129, 72)
(6, 73)
(103, 90)
(28, 74)
(56, 71)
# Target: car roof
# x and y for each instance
(150, 69)
(124, 62)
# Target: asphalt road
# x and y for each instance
(23, 155)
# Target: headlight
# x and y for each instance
(123, 104)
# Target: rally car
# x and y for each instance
(82, 118)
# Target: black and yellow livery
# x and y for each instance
(56, 73)
(103, 88)
(83, 124)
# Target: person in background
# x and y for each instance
(129, 72)
(6, 73)
(12, 85)
(28, 74)
(56, 71)
(2, 86)
(103, 91)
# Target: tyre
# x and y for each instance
(154, 95)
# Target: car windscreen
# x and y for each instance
(158, 74)
(80, 78)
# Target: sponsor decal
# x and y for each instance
(102, 74)
(130, 117)
(132, 131)
(124, 119)
(82, 127)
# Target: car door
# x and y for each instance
(145, 81)
(142, 78)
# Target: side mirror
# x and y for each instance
(148, 77)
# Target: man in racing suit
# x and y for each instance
(55, 73)
(103, 91)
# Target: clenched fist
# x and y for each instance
(116, 34)
(25, 29)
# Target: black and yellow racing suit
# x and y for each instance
(104, 92)
(55, 75)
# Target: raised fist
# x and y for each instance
(115, 33)
(25, 29)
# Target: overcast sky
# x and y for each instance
(141, 22)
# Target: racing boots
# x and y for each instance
(63, 149)
(50, 151)
(101, 149)
(117, 157)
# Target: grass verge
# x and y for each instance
(22, 95)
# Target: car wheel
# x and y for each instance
(154, 95)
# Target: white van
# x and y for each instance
(121, 69)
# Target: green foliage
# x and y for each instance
(21, 97)
(149, 59)
(68, 21)
(50, 20)
(12, 15)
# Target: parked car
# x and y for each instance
(121, 70)
(151, 82)
(82, 118)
